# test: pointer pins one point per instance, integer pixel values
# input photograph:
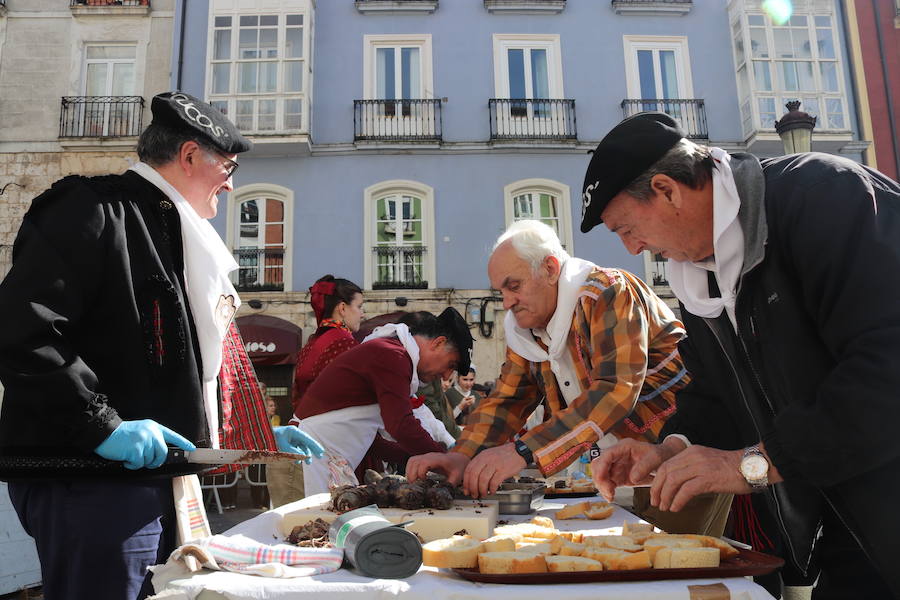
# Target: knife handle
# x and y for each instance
(176, 456)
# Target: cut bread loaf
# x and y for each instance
(726, 550)
(639, 532)
(605, 556)
(682, 558)
(534, 548)
(573, 510)
(599, 510)
(618, 542)
(542, 521)
(628, 561)
(556, 564)
(511, 562)
(500, 543)
(457, 552)
(654, 543)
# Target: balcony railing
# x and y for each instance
(397, 120)
(259, 269)
(691, 114)
(100, 116)
(399, 267)
(109, 2)
(532, 119)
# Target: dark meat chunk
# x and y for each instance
(312, 535)
(439, 497)
(410, 496)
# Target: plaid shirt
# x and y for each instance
(623, 341)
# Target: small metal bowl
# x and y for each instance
(519, 498)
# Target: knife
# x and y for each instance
(204, 456)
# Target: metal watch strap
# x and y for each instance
(524, 451)
(757, 485)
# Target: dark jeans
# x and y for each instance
(96, 539)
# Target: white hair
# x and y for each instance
(533, 241)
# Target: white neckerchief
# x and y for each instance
(409, 344)
(212, 297)
(463, 392)
(573, 274)
(689, 279)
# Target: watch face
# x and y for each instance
(754, 467)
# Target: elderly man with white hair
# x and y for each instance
(595, 344)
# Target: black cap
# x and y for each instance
(183, 111)
(629, 149)
(458, 331)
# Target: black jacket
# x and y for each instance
(96, 325)
(815, 369)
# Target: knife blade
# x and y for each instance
(211, 456)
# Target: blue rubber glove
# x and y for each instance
(292, 439)
(141, 444)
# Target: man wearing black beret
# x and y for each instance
(114, 315)
(788, 274)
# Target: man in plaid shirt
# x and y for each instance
(596, 345)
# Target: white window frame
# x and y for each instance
(372, 42)
(678, 44)
(781, 97)
(548, 42)
(399, 187)
(264, 190)
(86, 120)
(229, 8)
(547, 186)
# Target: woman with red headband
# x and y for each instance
(338, 306)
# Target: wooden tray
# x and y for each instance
(746, 563)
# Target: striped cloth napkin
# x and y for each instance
(241, 554)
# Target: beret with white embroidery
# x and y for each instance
(183, 111)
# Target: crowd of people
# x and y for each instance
(772, 391)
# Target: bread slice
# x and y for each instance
(726, 550)
(542, 521)
(639, 532)
(599, 510)
(582, 487)
(655, 542)
(534, 548)
(573, 510)
(682, 558)
(629, 561)
(556, 564)
(511, 562)
(617, 542)
(571, 549)
(527, 530)
(457, 552)
(500, 543)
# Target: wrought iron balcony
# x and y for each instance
(100, 116)
(397, 120)
(397, 6)
(259, 270)
(691, 114)
(532, 119)
(399, 268)
(109, 2)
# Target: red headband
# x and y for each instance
(317, 294)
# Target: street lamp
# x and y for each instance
(795, 129)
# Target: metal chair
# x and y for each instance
(255, 475)
(218, 482)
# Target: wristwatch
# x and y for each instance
(755, 468)
(524, 451)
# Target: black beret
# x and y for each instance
(629, 149)
(183, 111)
(457, 330)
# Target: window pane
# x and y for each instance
(293, 42)
(248, 43)
(123, 79)
(548, 206)
(295, 19)
(784, 48)
(829, 76)
(292, 114)
(767, 112)
(249, 227)
(798, 21)
(743, 85)
(244, 117)
(268, 77)
(646, 73)
(823, 21)
(810, 105)
(667, 74)
(293, 75)
(268, 43)
(274, 210)
(222, 49)
(522, 208)
(269, 20)
(221, 106)
(788, 76)
(762, 75)
(738, 37)
(96, 79)
(409, 67)
(247, 77)
(757, 20)
(516, 60)
(834, 108)
(223, 21)
(274, 234)
(540, 80)
(221, 78)
(266, 120)
(384, 58)
(801, 43)
(805, 71)
(759, 45)
(825, 43)
(111, 51)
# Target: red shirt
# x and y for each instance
(378, 371)
(317, 354)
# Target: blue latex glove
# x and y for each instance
(141, 444)
(579, 475)
(292, 439)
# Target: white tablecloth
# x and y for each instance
(429, 583)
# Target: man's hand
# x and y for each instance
(292, 439)
(141, 444)
(490, 468)
(451, 464)
(695, 471)
(630, 462)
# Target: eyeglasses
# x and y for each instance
(230, 165)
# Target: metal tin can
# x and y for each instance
(374, 546)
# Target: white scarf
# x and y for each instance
(409, 344)
(573, 273)
(212, 297)
(689, 279)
